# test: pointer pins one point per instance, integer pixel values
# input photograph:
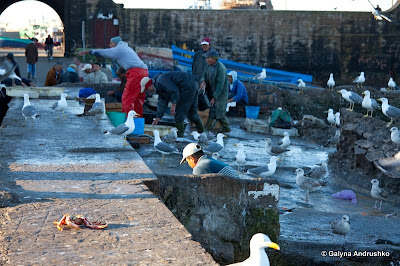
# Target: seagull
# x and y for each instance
(378, 193)
(331, 82)
(285, 141)
(391, 84)
(389, 111)
(28, 111)
(305, 183)
(261, 76)
(215, 146)
(378, 15)
(171, 137)
(163, 147)
(318, 171)
(97, 107)
(341, 227)
(126, 128)
(359, 80)
(272, 149)
(389, 163)
(368, 103)
(7, 69)
(265, 170)
(395, 135)
(258, 256)
(240, 156)
(351, 97)
(301, 85)
(203, 138)
(331, 117)
(195, 135)
(61, 105)
(337, 118)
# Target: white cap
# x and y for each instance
(190, 149)
(205, 42)
(86, 66)
(145, 83)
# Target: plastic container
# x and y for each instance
(139, 126)
(116, 118)
(252, 111)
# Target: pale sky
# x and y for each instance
(21, 13)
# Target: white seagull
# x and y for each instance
(337, 118)
(28, 111)
(368, 103)
(97, 107)
(391, 84)
(61, 105)
(378, 193)
(171, 137)
(272, 149)
(331, 117)
(215, 146)
(305, 183)
(395, 135)
(351, 97)
(265, 170)
(261, 76)
(341, 227)
(359, 80)
(126, 128)
(258, 256)
(163, 147)
(389, 111)
(240, 156)
(285, 141)
(331, 82)
(301, 85)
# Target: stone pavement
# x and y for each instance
(60, 166)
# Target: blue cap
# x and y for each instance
(116, 39)
(211, 53)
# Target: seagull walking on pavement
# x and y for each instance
(240, 156)
(273, 149)
(341, 227)
(261, 76)
(351, 97)
(378, 193)
(171, 137)
(389, 111)
(258, 256)
(285, 141)
(265, 170)
(214, 147)
(126, 128)
(368, 103)
(28, 111)
(61, 105)
(331, 82)
(307, 184)
(359, 80)
(97, 107)
(163, 147)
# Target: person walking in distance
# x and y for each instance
(32, 56)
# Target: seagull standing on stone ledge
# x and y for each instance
(301, 85)
(391, 84)
(390, 111)
(261, 76)
(331, 82)
(360, 80)
(351, 97)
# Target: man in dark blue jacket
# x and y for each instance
(181, 90)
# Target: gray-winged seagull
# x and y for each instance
(368, 103)
(126, 128)
(351, 97)
(389, 111)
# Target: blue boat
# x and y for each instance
(13, 42)
(246, 72)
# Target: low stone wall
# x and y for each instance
(222, 213)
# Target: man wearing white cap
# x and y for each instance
(85, 71)
(136, 69)
(202, 164)
(199, 62)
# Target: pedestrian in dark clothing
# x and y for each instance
(181, 90)
(215, 83)
(49, 44)
(70, 76)
(4, 100)
(32, 56)
(199, 62)
(118, 92)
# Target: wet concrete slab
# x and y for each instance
(67, 165)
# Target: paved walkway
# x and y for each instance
(68, 165)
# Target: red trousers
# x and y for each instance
(132, 99)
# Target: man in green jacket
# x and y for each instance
(215, 82)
